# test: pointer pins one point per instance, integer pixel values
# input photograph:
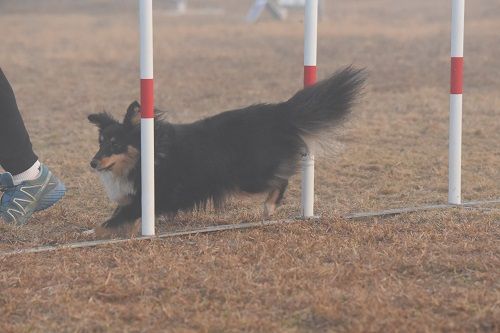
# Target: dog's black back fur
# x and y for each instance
(254, 149)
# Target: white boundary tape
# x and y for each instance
(397, 211)
(249, 225)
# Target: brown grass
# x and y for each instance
(435, 271)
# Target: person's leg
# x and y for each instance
(27, 186)
(16, 153)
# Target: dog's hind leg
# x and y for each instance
(274, 198)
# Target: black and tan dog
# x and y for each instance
(255, 149)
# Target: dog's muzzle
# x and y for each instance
(94, 163)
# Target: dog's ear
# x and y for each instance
(133, 115)
(101, 120)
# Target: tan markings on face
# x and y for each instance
(121, 163)
(106, 162)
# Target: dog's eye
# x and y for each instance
(115, 145)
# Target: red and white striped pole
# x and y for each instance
(147, 117)
(455, 140)
(310, 48)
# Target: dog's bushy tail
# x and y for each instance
(325, 104)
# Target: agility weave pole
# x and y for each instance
(456, 90)
(147, 117)
(249, 225)
(310, 59)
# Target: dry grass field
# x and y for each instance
(426, 272)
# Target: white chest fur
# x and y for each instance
(118, 189)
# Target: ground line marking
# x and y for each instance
(248, 225)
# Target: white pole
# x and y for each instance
(310, 55)
(147, 117)
(455, 140)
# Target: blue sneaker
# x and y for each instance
(19, 202)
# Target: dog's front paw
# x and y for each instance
(113, 230)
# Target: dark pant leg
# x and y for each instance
(16, 153)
